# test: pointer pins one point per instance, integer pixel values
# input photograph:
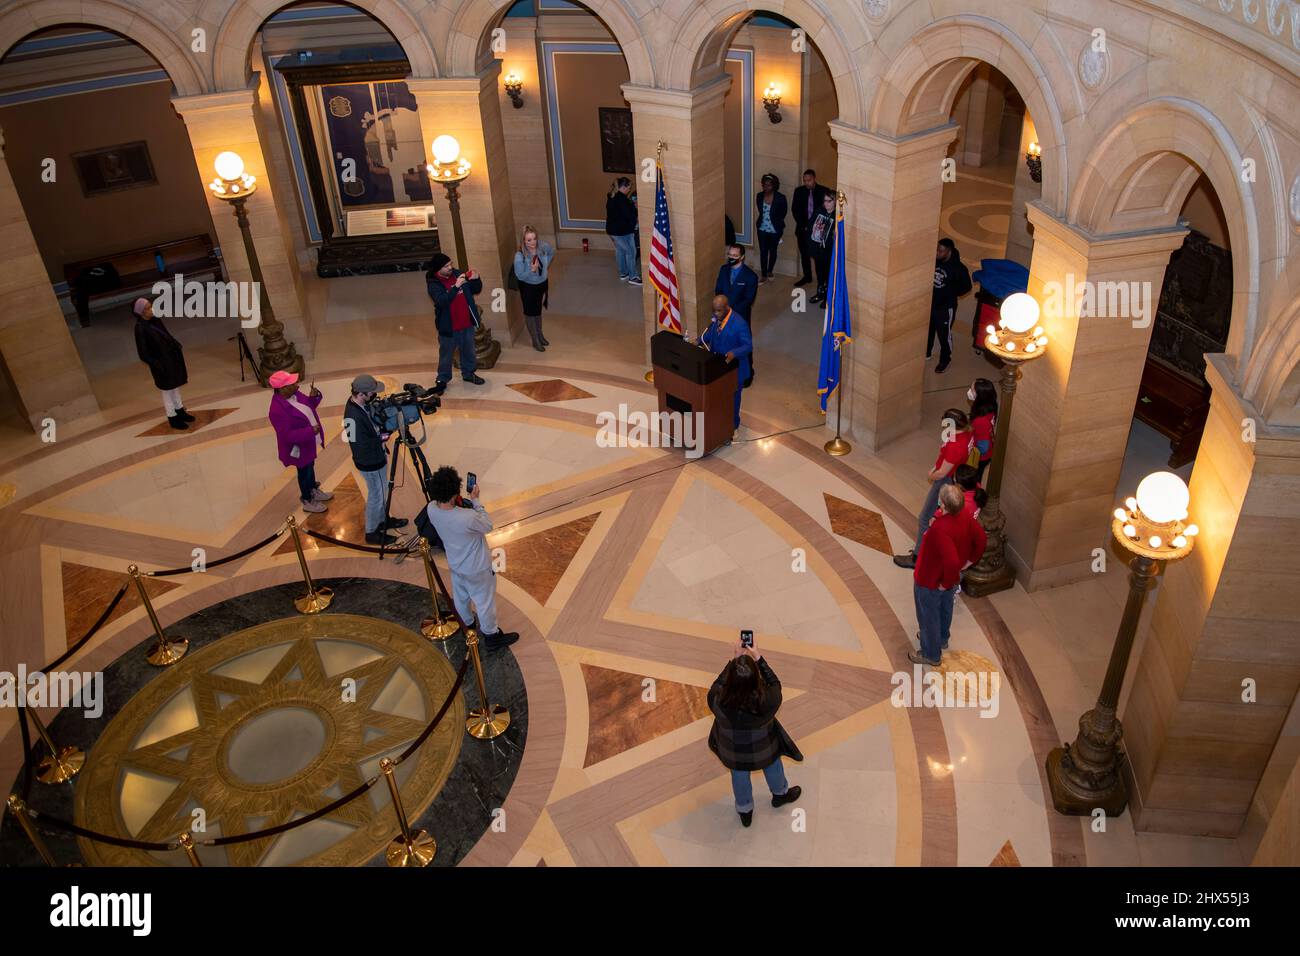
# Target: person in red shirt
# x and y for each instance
(456, 316)
(967, 479)
(952, 543)
(955, 450)
(983, 398)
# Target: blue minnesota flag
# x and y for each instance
(837, 327)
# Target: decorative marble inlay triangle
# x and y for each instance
(345, 519)
(1006, 856)
(551, 390)
(538, 561)
(202, 416)
(857, 523)
(620, 718)
(87, 591)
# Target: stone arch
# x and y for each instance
(160, 41)
(469, 37)
(921, 82)
(705, 31)
(239, 25)
(1140, 172)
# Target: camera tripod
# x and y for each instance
(420, 465)
(246, 353)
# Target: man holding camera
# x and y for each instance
(463, 525)
(456, 316)
(369, 448)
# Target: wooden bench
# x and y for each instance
(1176, 405)
(136, 270)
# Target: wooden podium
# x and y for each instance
(692, 379)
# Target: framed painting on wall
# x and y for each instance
(617, 152)
(111, 168)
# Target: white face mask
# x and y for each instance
(970, 394)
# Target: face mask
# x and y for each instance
(734, 262)
(970, 395)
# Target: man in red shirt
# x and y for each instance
(953, 542)
(456, 316)
(954, 452)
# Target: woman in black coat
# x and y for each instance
(746, 735)
(770, 223)
(163, 354)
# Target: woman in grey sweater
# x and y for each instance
(532, 263)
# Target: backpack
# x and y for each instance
(424, 527)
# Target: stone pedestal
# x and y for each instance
(1066, 448)
(894, 189)
(39, 356)
(690, 124)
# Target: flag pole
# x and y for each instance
(837, 446)
(659, 158)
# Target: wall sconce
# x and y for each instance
(1034, 160)
(515, 88)
(772, 102)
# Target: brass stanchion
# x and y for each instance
(316, 599)
(487, 721)
(61, 764)
(166, 652)
(436, 628)
(410, 848)
(187, 844)
(19, 810)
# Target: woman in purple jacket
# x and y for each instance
(298, 435)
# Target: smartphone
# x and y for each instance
(746, 638)
(471, 480)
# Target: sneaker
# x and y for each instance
(499, 640)
(929, 356)
(746, 818)
(177, 422)
(906, 560)
(396, 523)
(475, 380)
(634, 280)
(622, 278)
(916, 658)
(314, 507)
(381, 537)
(790, 796)
(183, 415)
(319, 495)
(763, 280)
(943, 366)
(439, 388)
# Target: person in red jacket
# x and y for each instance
(954, 541)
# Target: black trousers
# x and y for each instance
(805, 255)
(822, 256)
(941, 326)
(767, 245)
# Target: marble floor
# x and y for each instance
(628, 572)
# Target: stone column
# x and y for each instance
(1221, 667)
(690, 124)
(217, 122)
(894, 189)
(524, 129)
(1075, 405)
(468, 108)
(36, 347)
(1020, 244)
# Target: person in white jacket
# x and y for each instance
(463, 525)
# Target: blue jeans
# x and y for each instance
(934, 616)
(307, 482)
(376, 486)
(463, 340)
(625, 253)
(928, 509)
(743, 788)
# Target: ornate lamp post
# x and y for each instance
(1153, 526)
(451, 169)
(1017, 339)
(233, 185)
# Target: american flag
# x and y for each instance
(662, 270)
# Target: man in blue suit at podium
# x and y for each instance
(728, 335)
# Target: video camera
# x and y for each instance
(391, 412)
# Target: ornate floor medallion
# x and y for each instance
(264, 727)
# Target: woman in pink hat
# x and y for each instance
(159, 350)
(298, 435)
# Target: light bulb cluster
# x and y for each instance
(232, 181)
(1017, 336)
(1154, 523)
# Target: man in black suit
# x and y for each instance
(805, 206)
